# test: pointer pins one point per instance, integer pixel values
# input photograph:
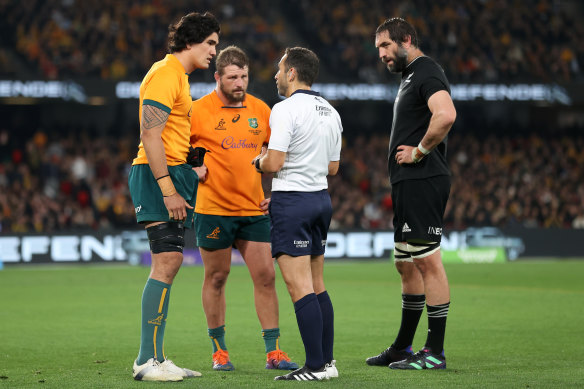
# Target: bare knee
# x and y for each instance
(400, 267)
(299, 289)
(265, 279)
(411, 279)
(217, 279)
(430, 265)
(406, 270)
(422, 266)
(165, 266)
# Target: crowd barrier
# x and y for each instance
(484, 244)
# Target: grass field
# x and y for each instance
(514, 325)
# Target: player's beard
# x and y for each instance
(400, 62)
(231, 96)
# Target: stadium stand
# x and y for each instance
(474, 41)
(80, 182)
(55, 177)
(109, 39)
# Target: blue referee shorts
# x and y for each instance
(300, 222)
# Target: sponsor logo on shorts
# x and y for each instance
(138, 208)
(435, 230)
(157, 321)
(406, 228)
(221, 125)
(214, 234)
(323, 242)
(301, 243)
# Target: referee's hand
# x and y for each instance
(201, 172)
(262, 153)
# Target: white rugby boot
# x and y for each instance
(152, 370)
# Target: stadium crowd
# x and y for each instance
(111, 39)
(52, 182)
(475, 41)
(80, 182)
(70, 183)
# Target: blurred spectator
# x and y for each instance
(111, 39)
(80, 182)
(72, 183)
(475, 41)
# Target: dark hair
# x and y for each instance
(231, 55)
(190, 29)
(304, 61)
(398, 30)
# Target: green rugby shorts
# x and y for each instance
(147, 197)
(219, 232)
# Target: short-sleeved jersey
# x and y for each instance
(411, 117)
(166, 86)
(235, 136)
(309, 130)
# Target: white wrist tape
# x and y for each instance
(415, 158)
(422, 149)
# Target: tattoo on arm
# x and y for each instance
(153, 117)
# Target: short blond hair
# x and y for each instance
(231, 55)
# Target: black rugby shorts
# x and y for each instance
(418, 207)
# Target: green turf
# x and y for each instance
(514, 325)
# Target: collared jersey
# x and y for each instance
(309, 130)
(235, 136)
(166, 86)
(411, 117)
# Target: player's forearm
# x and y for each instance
(440, 124)
(333, 168)
(272, 161)
(156, 156)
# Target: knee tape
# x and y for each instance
(166, 237)
(401, 253)
(424, 249)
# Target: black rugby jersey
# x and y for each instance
(411, 116)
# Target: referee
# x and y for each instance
(423, 114)
(305, 147)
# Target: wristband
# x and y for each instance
(423, 150)
(166, 186)
(257, 165)
(415, 157)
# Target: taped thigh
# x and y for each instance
(401, 253)
(422, 249)
(166, 237)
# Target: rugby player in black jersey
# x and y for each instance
(423, 114)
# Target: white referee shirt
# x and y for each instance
(308, 129)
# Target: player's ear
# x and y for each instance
(217, 76)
